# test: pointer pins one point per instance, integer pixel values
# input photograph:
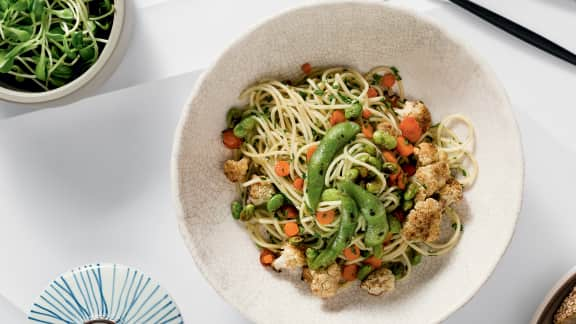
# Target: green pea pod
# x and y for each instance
(364, 271)
(333, 141)
(348, 221)
(373, 212)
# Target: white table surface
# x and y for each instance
(90, 182)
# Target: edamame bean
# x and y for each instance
(348, 221)
(373, 212)
(363, 172)
(364, 271)
(407, 205)
(389, 142)
(352, 174)
(331, 194)
(390, 168)
(378, 137)
(247, 212)
(333, 141)
(275, 203)
(233, 116)
(411, 191)
(354, 111)
(370, 149)
(373, 186)
(375, 162)
(363, 158)
(395, 225)
(236, 208)
(244, 127)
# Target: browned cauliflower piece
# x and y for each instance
(418, 110)
(386, 127)
(236, 171)
(431, 177)
(379, 282)
(291, 258)
(423, 221)
(428, 153)
(450, 193)
(260, 192)
(566, 313)
(324, 283)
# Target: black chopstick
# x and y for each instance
(521, 32)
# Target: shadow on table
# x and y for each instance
(98, 154)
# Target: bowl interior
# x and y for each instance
(435, 69)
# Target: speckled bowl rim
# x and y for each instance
(118, 27)
(177, 145)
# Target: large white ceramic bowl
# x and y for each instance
(435, 68)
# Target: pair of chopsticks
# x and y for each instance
(520, 32)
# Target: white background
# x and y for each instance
(90, 182)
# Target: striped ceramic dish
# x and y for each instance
(104, 293)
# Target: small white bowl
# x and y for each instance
(86, 83)
(435, 68)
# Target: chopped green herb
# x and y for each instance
(345, 99)
(396, 73)
(376, 78)
(319, 92)
(463, 172)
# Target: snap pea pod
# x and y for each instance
(334, 140)
(348, 220)
(372, 210)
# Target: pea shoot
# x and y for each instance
(45, 44)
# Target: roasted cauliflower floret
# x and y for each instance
(260, 192)
(423, 221)
(236, 171)
(450, 193)
(386, 127)
(379, 282)
(324, 283)
(566, 313)
(428, 153)
(291, 258)
(431, 178)
(418, 110)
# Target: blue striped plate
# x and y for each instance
(104, 293)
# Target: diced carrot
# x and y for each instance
(350, 272)
(298, 184)
(401, 181)
(337, 117)
(389, 157)
(291, 229)
(266, 257)
(352, 253)
(404, 148)
(282, 168)
(410, 129)
(326, 217)
(388, 80)
(374, 262)
(310, 152)
(290, 211)
(409, 169)
(366, 113)
(306, 68)
(230, 140)
(368, 130)
(371, 93)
